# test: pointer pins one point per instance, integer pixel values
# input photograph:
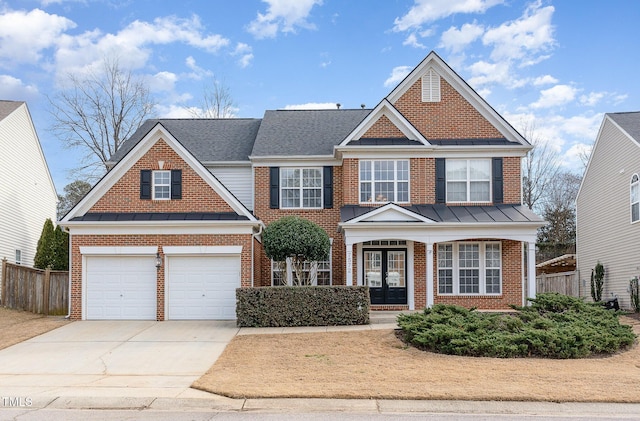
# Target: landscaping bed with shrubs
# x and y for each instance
(553, 326)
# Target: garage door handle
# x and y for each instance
(203, 295)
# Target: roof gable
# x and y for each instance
(385, 110)
(158, 134)
(389, 213)
(629, 123)
(433, 61)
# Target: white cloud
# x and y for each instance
(397, 75)
(173, 111)
(544, 80)
(555, 96)
(197, 72)
(14, 89)
(284, 16)
(485, 73)
(412, 41)
(312, 106)
(132, 44)
(24, 35)
(592, 98)
(245, 52)
(163, 81)
(455, 40)
(524, 38)
(427, 11)
(576, 155)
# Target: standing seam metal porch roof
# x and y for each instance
(455, 214)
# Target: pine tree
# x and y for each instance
(46, 246)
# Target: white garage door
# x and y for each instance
(203, 287)
(121, 287)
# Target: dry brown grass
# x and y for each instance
(17, 326)
(375, 364)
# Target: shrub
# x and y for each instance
(302, 306)
(597, 282)
(634, 289)
(554, 326)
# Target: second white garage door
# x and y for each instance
(203, 287)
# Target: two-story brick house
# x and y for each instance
(421, 197)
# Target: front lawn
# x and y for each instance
(554, 326)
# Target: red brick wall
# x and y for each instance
(197, 196)
(383, 128)
(327, 219)
(78, 241)
(511, 282)
(451, 118)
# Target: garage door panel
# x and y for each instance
(121, 287)
(203, 287)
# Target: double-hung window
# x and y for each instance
(468, 180)
(162, 185)
(384, 181)
(469, 268)
(301, 188)
(635, 198)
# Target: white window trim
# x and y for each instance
(314, 269)
(468, 181)
(482, 270)
(373, 181)
(635, 183)
(154, 185)
(301, 188)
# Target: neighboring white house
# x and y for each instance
(27, 194)
(608, 208)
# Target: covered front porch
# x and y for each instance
(484, 263)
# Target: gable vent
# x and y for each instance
(431, 86)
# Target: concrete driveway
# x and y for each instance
(114, 358)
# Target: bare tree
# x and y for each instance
(73, 193)
(217, 102)
(539, 168)
(97, 111)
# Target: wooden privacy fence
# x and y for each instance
(35, 290)
(564, 283)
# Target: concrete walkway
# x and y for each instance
(150, 365)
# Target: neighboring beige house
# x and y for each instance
(27, 194)
(608, 208)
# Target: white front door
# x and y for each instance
(202, 287)
(120, 288)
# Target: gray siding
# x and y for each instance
(238, 180)
(604, 229)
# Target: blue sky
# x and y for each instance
(555, 65)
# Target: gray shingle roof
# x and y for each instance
(7, 107)
(305, 132)
(147, 216)
(630, 122)
(454, 214)
(207, 139)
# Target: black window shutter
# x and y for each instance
(498, 185)
(327, 181)
(274, 187)
(176, 184)
(441, 181)
(145, 184)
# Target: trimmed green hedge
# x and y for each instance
(554, 326)
(302, 306)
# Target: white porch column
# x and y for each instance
(349, 263)
(429, 257)
(531, 270)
